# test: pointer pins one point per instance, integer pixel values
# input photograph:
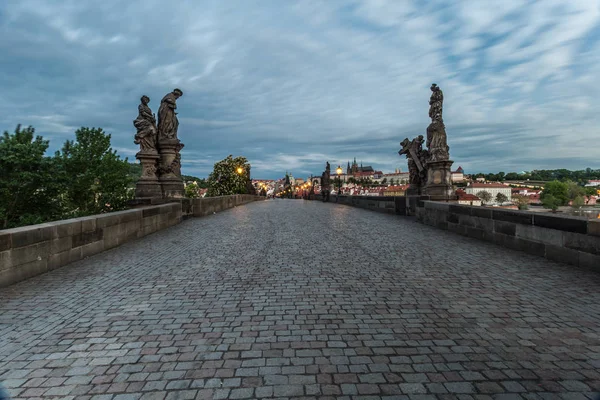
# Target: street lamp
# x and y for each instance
(339, 172)
(240, 170)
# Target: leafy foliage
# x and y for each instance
(30, 183)
(99, 179)
(578, 202)
(579, 177)
(229, 176)
(501, 198)
(192, 191)
(522, 202)
(551, 202)
(485, 196)
(559, 192)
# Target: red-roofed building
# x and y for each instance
(467, 199)
(395, 190)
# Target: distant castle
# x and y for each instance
(355, 169)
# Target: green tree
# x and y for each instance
(384, 181)
(229, 176)
(522, 202)
(192, 190)
(590, 191)
(574, 190)
(512, 176)
(99, 181)
(392, 182)
(551, 202)
(501, 198)
(485, 196)
(578, 202)
(30, 183)
(558, 190)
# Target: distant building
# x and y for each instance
(355, 169)
(467, 199)
(395, 190)
(491, 188)
(593, 182)
(458, 176)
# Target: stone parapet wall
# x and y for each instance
(33, 250)
(385, 204)
(571, 240)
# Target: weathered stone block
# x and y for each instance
(131, 215)
(28, 235)
(458, 209)
(5, 259)
(515, 243)
(506, 228)
(88, 224)
(481, 212)
(22, 271)
(456, 228)
(518, 217)
(585, 243)
(563, 223)
(110, 219)
(68, 227)
(87, 237)
(5, 241)
(27, 254)
(92, 248)
(539, 234)
(590, 261)
(75, 255)
(59, 259)
(593, 228)
(452, 218)
(562, 254)
(150, 211)
(60, 244)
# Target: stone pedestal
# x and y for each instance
(171, 183)
(148, 185)
(439, 179)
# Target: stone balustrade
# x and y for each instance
(32, 250)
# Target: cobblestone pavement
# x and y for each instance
(295, 299)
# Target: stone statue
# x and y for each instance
(326, 182)
(436, 131)
(167, 117)
(436, 103)
(417, 160)
(145, 124)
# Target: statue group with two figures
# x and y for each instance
(160, 148)
(429, 169)
(326, 182)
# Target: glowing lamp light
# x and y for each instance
(240, 170)
(339, 170)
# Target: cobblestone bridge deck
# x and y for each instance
(296, 299)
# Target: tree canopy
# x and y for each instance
(86, 177)
(229, 176)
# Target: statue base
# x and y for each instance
(413, 190)
(439, 180)
(148, 185)
(172, 185)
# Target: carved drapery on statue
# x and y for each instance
(167, 117)
(437, 142)
(417, 160)
(145, 124)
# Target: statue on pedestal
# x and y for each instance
(436, 131)
(146, 137)
(326, 182)
(145, 124)
(167, 117)
(417, 161)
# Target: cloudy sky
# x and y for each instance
(292, 84)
